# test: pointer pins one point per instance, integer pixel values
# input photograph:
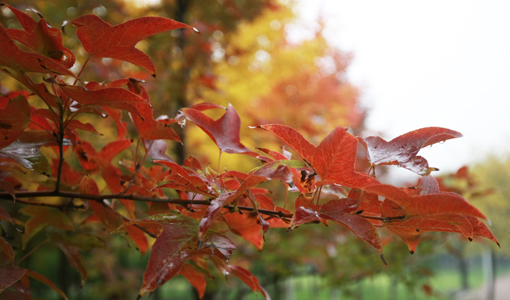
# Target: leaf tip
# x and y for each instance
(196, 30)
(64, 26)
(384, 261)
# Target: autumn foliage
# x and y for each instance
(191, 210)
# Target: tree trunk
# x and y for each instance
(182, 79)
(490, 267)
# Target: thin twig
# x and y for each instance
(60, 150)
(32, 251)
(100, 198)
(82, 68)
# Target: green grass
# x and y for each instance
(444, 283)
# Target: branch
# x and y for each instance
(100, 198)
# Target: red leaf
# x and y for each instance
(195, 277)
(9, 275)
(193, 163)
(246, 226)
(432, 212)
(118, 98)
(333, 160)
(403, 150)
(41, 37)
(90, 159)
(71, 246)
(369, 204)
(40, 217)
(157, 149)
(218, 203)
(279, 170)
(224, 131)
(101, 39)
(75, 124)
(147, 127)
(6, 253)
(111, 219)
(14, 61)
(69, 176)
(303, 215)
(177, 243)
(7, 186)
(277, 155)
(46, 281)
(249, 279)
(16, 291)
(184, 180)
(293, 139)
(431, 204)
(206, 106)
(213, 211)
(139, 237)
(14, 118)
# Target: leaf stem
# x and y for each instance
(219, 161)
(32, 251)
(60, 143)
(141, 228)
(318, 197)
(82, 68)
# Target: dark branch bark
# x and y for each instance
(100, 198)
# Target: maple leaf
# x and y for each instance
(13, 61)
(17, 291)
(40, 37)
(14, 118)
(156, 149)
(224, 131)
(184, 180)
(403, 150)
(279, 169)
(195, 277)
(25, 151)
(71, 246)
(113, 97)
(40, 217)
(246, 226)
(41, 278)
(333, 159)
(101, 39)
(177, 243)
(218, 203)
(9, 275)
(111, 219)
(249, 279)
(432, 212)
(341, 211)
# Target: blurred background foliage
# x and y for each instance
(243, 57)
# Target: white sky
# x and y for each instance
(439, 63)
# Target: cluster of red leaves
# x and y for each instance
(191, 229)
